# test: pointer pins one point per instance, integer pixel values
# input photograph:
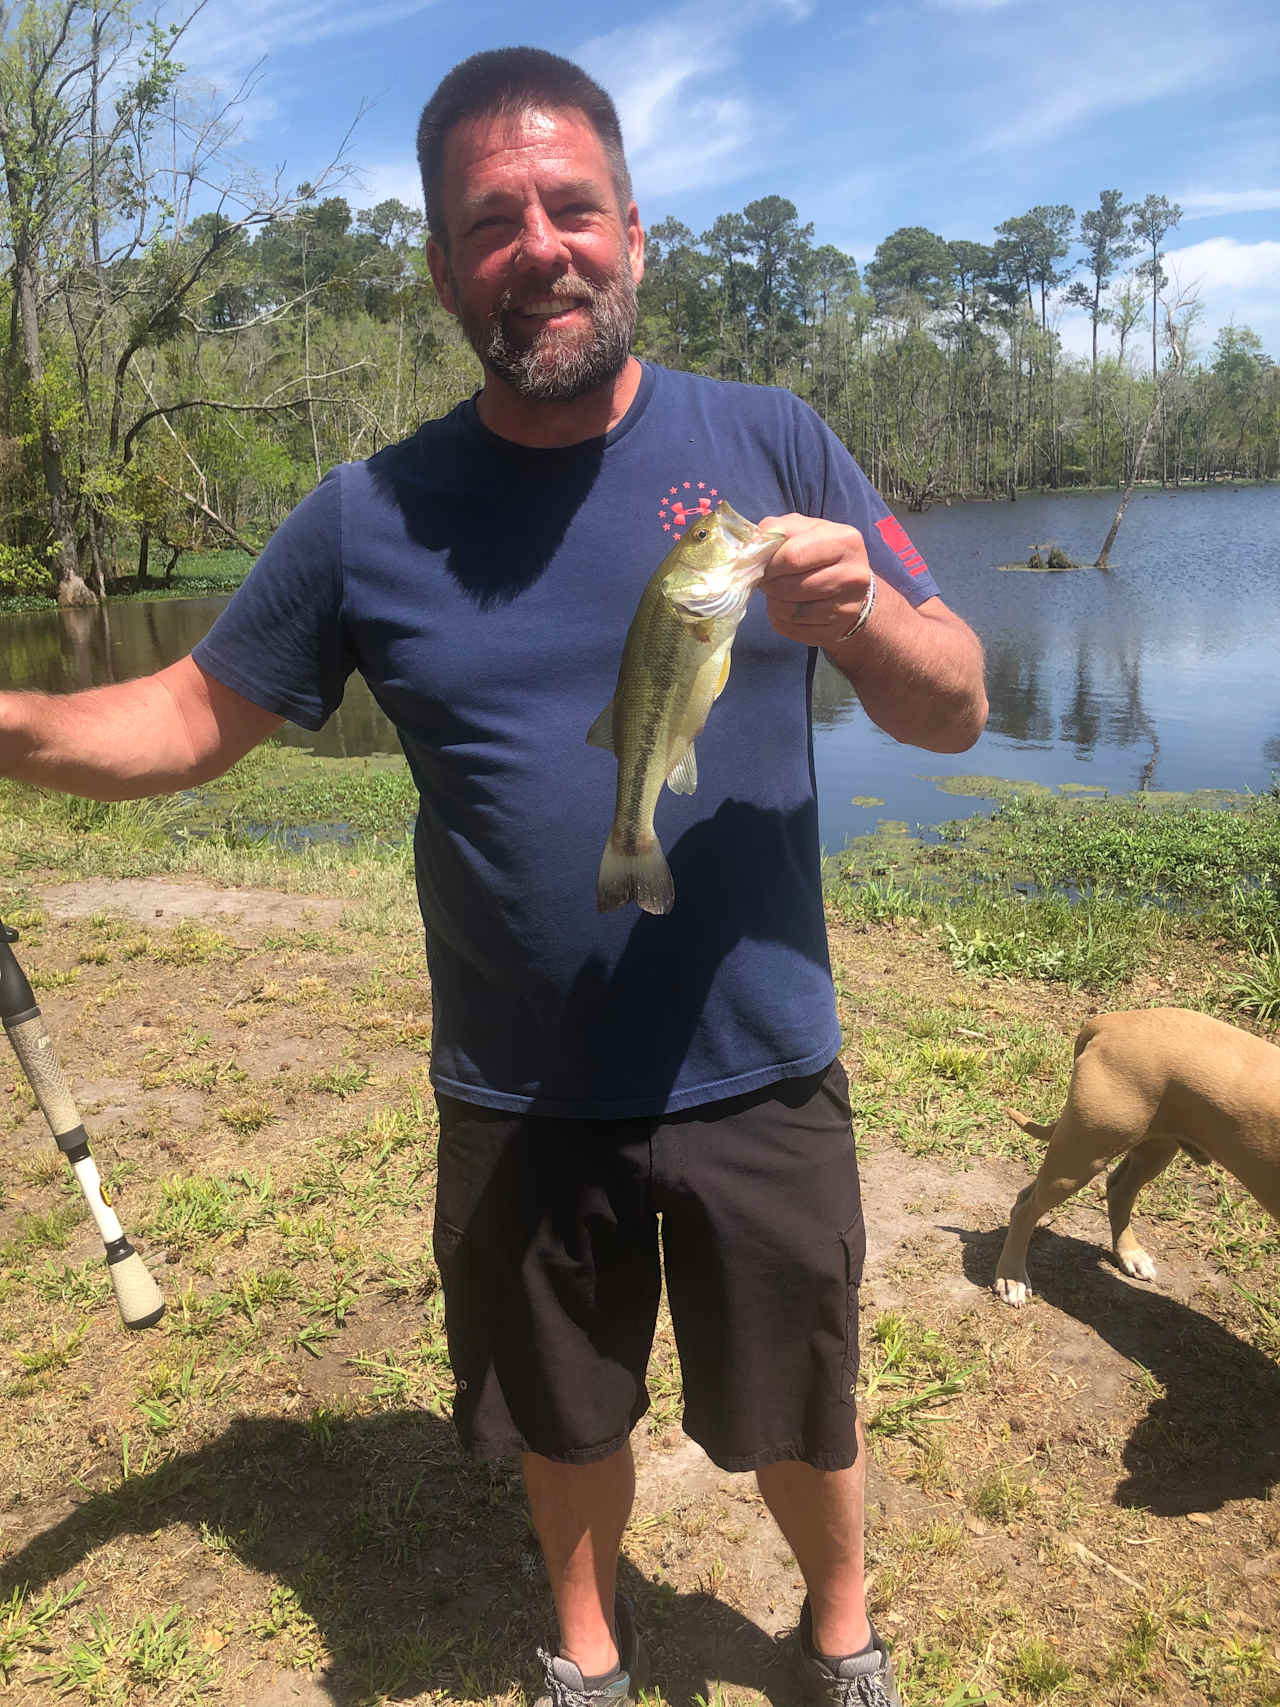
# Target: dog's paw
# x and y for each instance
(1011, 1291)
(1136, 1263)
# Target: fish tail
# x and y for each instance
(638, 874)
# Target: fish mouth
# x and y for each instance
(739, 529)
(730, 594)
(756, 546)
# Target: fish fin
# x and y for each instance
(724, 676)
(641, 877)
(683, 777)
(600, 733)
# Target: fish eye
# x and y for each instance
(699, 533)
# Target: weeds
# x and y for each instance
(38, 1231)
(1257, 989)
(26, 1623)
(1082, 891)
(1037, 1670)
(198, 1208)
(910, 1371)
(1002, 1497)
(150, 1653)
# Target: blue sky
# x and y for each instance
(952, 114)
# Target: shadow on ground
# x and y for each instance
(1213, 1434)
(418, 1568)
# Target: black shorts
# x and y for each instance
(547, 1235)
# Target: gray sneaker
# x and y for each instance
(566, 1686)
(862, 1680)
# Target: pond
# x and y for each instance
(1162, 672)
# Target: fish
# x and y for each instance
(675, 663)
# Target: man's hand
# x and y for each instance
(817, 580)
(917, 668)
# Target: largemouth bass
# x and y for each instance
(675, 663)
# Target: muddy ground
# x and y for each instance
(1075, 1502)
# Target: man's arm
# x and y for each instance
(149, 736)
(917, 668)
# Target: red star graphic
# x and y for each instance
(686, 486)
(666, 528)
(701, 484)
(672, 490)
(714, 493)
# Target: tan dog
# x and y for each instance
(1145, 1085)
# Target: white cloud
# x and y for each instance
(681, 130)
(1232, 281)
(386, 180)
(1050, 71)
(238, 33)
(1205, 204)
(1222, 263)
(227, 41)
(1079, 93)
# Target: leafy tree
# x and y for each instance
(1104, 233)
(911, 263)
(776, 243)
(59, 161)
(109, 271)
(674, 301)
(973, 266)
(1031, 246)
(1153, 218)
(729, 250)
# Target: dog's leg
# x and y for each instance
(1139, 1167)
(1076, 1153)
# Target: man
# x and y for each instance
(593, 1072)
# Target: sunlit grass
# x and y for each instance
(1081, 891)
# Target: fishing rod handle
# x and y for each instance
(137, 1294)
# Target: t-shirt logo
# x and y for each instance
(680, 503)
(897, 539)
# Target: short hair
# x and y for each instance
(503, 82)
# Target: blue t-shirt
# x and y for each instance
(483, 590)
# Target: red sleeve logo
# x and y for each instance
(897, 539)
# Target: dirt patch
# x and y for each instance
(158, 900)
(1072, 1502)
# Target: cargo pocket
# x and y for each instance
(854, 1243)
(446, 1241)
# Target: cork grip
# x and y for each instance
(34, 1050)
(137, 1295)
(141, 1305)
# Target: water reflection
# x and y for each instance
(1160, 673)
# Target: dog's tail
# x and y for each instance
(1044, 1133)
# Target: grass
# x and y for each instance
(1256, 990)
(266, 1486)
(196, 574)
(1083, 891)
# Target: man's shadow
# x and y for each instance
(417, 1566)
(1213, 1434)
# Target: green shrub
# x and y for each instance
(22, 570)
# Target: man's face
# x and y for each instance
(542, 264)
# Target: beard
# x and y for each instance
(552, 365)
